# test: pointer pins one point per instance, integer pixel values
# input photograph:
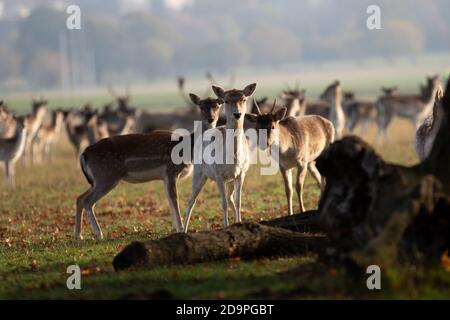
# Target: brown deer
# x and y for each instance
(11, 150)
(300, 141)
(7, 122)
(151, 121)
(136, 158)
(357, 112)
(413, 107)
(33, 122)
(48, 135)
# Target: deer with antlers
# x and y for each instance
(11, 149)
(136, 158)
(299, 141)
(228, 175)
(413, 107)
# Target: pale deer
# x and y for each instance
(11, 150)
(33, 122)
(428, 130)
(47, 136)
(299, 141)
(413, 107)
(228, 175)
(136, 158)
(333, 95)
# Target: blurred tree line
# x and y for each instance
(218, 35)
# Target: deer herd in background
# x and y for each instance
(134, 145)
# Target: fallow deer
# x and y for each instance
(333, 95)
(136, 158)
(7, 122)
(48, 135)
(427, 131)
(151, 121)
(357, 112)
(413, 107)
(33, 122)
(299, 141)
(11, 150)
(229, 177)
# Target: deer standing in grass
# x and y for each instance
(47, 136)
(33, 122)
(428, 130)
(11, 150)
(333, 95)
(299, 141)
(413, 107)
(228, 175)
(136, 158)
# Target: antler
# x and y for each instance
(111, 91)
(256, 105)
(273, 106)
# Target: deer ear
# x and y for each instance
(220, 93)
(194, 98)
(248, 90)
(280, 114)
(251, 117)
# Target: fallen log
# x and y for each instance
(243, 240)
(301, 222)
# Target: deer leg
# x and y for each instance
(301, 174)
(198, 182)
(237, 196)
(287, 178)
(170, 184)
(224, 202)
(10, 174)
(96, 193)
(231, 193)
(79, 214)
(316, 174)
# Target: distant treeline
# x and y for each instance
(220, 35)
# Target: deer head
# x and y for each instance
(267, 121)
(235, 101)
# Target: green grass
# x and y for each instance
(36, 245)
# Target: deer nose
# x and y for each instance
(210, 120)
(237, 115)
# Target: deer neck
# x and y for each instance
(429, 104)
(292, 107)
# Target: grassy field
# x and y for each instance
(36, 227)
